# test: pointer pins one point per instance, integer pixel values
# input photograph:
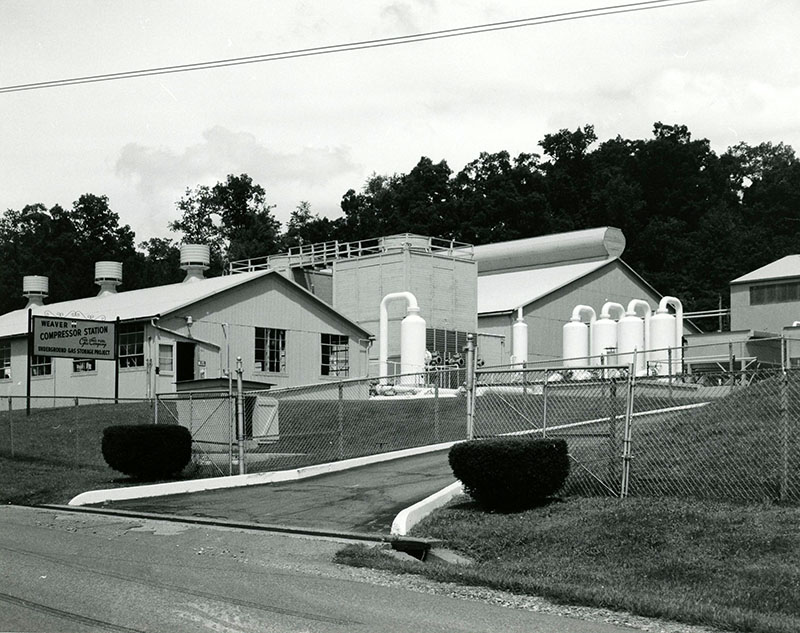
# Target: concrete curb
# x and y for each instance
(237, 481)
(412, 515)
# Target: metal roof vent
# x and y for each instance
(35, 289)
(107, 275)
(195, 259)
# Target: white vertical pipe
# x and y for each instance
(383, 328)
(519, 341)
(632, 306)
(662, 307)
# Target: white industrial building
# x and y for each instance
(313, 314)
(764, 311)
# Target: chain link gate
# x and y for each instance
(585, 406)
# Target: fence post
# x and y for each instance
(75, 422)
(470, 384)
(436, 434)
(544, 404)
(626, 440)
(340, 416)
(612, 427)
(11, 424)
(784, 491)
(240, 414)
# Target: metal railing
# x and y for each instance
(322, 254)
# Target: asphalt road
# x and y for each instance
(70, 572)
(364, 499)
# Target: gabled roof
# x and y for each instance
(788, 266)
(147, 303)
(506, 291)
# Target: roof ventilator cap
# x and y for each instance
(107, 275)
(35, 288)
(195, 259)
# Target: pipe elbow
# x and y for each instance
(580, 310)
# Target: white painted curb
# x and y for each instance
(237, 481)
(412, 515)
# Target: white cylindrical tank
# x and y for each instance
(603, 335)
(412, 347)
(575, 337)
(666, 331)
(519, 341)
(633, 334)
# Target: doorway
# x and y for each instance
(184, 365)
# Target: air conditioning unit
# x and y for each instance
(261, 419)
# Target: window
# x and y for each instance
(270, 349)
(82, 365)
(5, 360)
(131, 345)
(41, 366)
(775, 293)
(335, 355)
(166, 359)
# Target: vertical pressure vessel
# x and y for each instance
(519, 341)
(412, 347)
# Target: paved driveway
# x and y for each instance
(364, 499)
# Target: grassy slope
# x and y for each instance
(730, 566)
(57, 451)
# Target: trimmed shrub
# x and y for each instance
(510, 473)
(147, 451)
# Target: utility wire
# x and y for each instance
(359, 45)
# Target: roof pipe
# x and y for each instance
(383, 328)
(580, 310)
(605, 311)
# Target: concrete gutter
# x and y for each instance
(237, 481)
(412, 515)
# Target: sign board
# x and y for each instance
(73, 338)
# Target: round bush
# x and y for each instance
(510, 473)
(147, 451)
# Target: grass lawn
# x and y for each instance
(56, 452)
(732, 566)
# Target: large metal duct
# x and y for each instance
(602, 243)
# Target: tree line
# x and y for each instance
(693, 219)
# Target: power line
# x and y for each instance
(359, 45)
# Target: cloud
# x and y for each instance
(224, 152)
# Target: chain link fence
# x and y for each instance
(313, 424)
(65, 430)
(732, 435)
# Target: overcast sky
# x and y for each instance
(311, 128)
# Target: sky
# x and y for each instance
(309, 129)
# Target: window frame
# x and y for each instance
(135, 332)
(269, 350)
(772, 293)
(332, 348)
(90, 363)
(171, 370)
(5, 360)
(41, 366)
